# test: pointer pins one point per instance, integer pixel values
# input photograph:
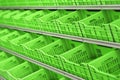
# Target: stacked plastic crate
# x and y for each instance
(84, 60)
(98, 25)
(14, 68)
(36, 3)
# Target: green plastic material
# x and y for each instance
(24, 3)
(13, 68)
(3, 56)
(8, 64)
(5, 39)
(17, 71)
(88, 61)
(36, 43)
(21, 40)
(40, 74)
(101, 25)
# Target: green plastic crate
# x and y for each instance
(74, 61)
(68, 24)
(60, 77)
(17, 42)
(67, 2)
(18, 19)
(31, 20)
(22, 3)
(3, 56)
(47, 19)
(55, 76)
(12, 68)
(109, 64)
(7, 64)
(96, 23)
(107, 2)
(4, 32)
(5, 39)
(56, 48)
(34, 3)
(27, 3)
(51, 54)
(89, 24)
(47, 2)
(111, 28)
(59, 46)
(2, 13)
(76, 54)
(40, 74)
(115, 30)
(44, 74)
(31, 46)
(100, 50)
(87, 2)
(17, 72)
(8, 17)
(11, 3)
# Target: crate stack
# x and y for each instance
(55, 3)
(14, 68)
(28, 39)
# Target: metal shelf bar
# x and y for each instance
(94, 7)
(81, 39)
(71, 76)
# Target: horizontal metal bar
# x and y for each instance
(81, 39)
(71, 76)
(94, 7)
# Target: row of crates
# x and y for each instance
(101, 25)
(89, 61)
(56, 2)
(14, 68)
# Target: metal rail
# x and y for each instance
(81, 39)
(71, 76)
(93, 7)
